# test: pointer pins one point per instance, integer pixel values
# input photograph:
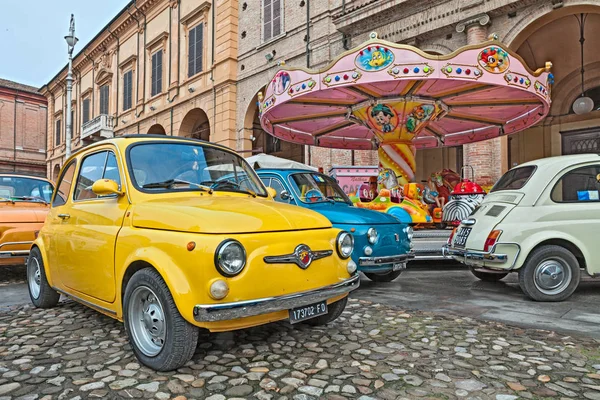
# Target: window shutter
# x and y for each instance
(267, 18)
(198, 50)
(127, 90)
(156, 73)
(276, 17)
(104, 99)
(191, 52)
(86, 110)
(57, 132)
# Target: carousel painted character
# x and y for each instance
(378, 59)
(494, 60)
(465, 197)
(418, 115)
(281, 82)
(387, 179)
(383, 117)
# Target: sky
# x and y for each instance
(32, 34)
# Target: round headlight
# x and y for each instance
(368, 250)
(372, 235)
(345, 244)
(230, 258)
(409, 232)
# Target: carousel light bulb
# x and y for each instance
(583, 105)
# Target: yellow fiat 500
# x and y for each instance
(170, 235)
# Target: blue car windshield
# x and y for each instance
(316, 188)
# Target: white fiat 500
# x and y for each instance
(542, 220)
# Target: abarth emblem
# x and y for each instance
(302, 256)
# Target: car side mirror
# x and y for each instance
(272, 192)
(284, 195)
(103, 187)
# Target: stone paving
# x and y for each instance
(372, 351)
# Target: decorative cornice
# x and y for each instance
(128, 61)
(481, 19)
(202, 8)
(160, 39)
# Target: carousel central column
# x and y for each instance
(485, 157)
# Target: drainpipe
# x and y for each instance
(118, 77)
(307, 33)
(137, 68)
(212, 58)
(178, 54)
(144, 83)
(15, 134)
(93, 82)
(171, 121)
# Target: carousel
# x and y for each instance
(396, 99)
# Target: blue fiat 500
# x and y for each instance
(382, 245)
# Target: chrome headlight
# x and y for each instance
(372, 235)
(230, 257)
(409, 232)
(344, 244)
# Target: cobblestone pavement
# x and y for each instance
(372, 351)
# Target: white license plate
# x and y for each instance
(461, 237)
(307, 312)
(398, 266)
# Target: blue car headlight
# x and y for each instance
(372, 235)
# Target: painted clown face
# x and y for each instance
(459, 207)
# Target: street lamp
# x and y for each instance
(71, 42)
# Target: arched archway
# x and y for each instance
(157, 129)
(262, 142)
(55, 172)
(195, 125)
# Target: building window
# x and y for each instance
(195, 50)
(73, 130)
(86, 110)
(57, 132)
(272, 21)
(273, 144)
(104, 99)
(127, 90)
(156, 73)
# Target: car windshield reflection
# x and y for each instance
(167, 167)
(316, 188)
(16, 188)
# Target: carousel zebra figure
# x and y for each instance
(463, 200)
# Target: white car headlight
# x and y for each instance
(409, 232)
(372, 235)
(230, 258)
(345, 244)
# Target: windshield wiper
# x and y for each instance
(30, 198)
(171, 182)
(7, 199)
(235, 185)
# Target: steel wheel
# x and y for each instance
(147, 321)
(34, 277)
(552, 276)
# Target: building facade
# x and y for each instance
(23, 114)
(159, 66)
(313, 33)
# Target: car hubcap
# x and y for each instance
(34, 276)
(552, 276)
(147, 321)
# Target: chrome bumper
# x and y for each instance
(377, 261)
(464, 255)
(249, 308)
(14, 253)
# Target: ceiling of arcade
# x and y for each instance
(558, 42)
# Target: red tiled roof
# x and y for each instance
(19, 86)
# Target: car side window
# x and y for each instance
(64, 185)
(112, 169)
(278, 186)
(578, 185)
(92, 169)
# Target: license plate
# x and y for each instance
(398, 266)
(461, 237)
(307, 312)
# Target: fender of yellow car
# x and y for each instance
(39, 243)
(171, 273)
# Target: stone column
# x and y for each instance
(485, 157)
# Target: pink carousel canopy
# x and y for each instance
(382, 92)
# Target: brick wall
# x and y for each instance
(22, 132)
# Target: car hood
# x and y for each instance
(22, 212)
(224, 215)
(341, 213)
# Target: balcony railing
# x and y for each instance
(98, 128)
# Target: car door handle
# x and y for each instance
(64, 216)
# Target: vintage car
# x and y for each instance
(155, 232)
(541, 219)
(382, 245)
(24, 203)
